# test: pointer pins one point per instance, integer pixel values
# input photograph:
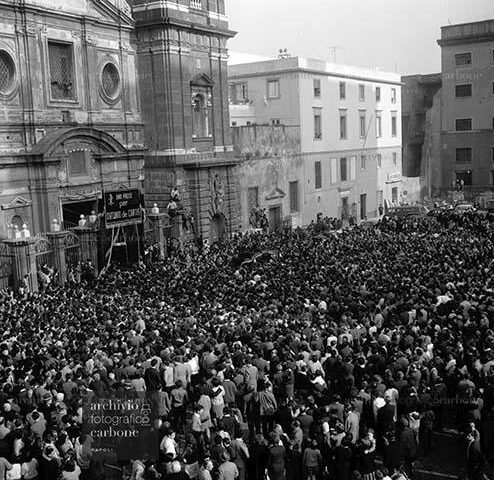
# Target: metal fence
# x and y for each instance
(72, 250)
(6, 266)
(43, 251)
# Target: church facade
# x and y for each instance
(70, 123)
(105, 95)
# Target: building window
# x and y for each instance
(317, 88)
(379, 125)
(379, 160)
(252, 198)
(394, 123)
(362, 162)
(378, 94)
(77, 162)
(492, 57)
(462, 59)
(201, 112)
(361, 92)
(61, 71)
(464, 178)
(395, 159)
(239, 93)
(293, 187)
(463, 155)
(342, 90)
(464, 90)
(363, 126)
(343, 131)
(317, 124)
(242, 92)
(393, 95)
(318, 174)
(463, 124)
(234, 124)
(343, 169)
(110, 82)
(273, 89)
(7, 73)
(275, 122)
(492, 154)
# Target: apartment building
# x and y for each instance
(467, 125)
(350, 132)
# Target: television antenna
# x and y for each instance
(333, 49)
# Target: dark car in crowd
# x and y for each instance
(405, 211)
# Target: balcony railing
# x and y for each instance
(196, 4)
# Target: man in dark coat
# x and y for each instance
(385, 420)
(392, 454)
(408, 444)
(475, 459)
(258, 458)
(152, 377)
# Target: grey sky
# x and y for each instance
(387, 34)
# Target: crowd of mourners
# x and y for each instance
(331, 356)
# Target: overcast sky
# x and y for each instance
(394, 35)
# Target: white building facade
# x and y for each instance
(350, 130)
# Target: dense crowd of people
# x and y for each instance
(330, 356)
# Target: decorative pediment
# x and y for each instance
(202, 80)
(275, 193)
(114, 10)
(18, 202)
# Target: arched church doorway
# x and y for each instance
(217, 228)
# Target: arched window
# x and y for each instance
(17, 220)
(202, 106)
(200, 116)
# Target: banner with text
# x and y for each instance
(122, 207)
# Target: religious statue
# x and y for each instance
(175, 194)
(25, 233)
(55, 226)
(218, 192)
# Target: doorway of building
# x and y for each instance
(363, 206)
(275, 218)
(71, 212)
(345, 209)
(217, 228)
(394, 195)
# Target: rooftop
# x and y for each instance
(473, 32)
(308, 65)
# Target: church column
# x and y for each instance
(159, 221)
(57, 240)
(24, 262)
